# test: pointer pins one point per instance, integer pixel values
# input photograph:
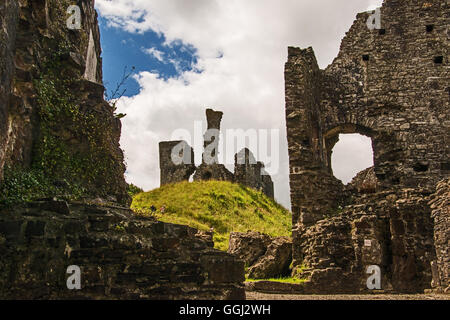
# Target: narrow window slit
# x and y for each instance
(439, 60)
(420, 167)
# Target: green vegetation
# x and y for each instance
(224, 206)
(71, 155)
(21, 185)
(65, 125)
(133, 190)
(283, 280)
(298, 271)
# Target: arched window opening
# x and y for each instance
(351, 155)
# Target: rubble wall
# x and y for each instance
(121, 256)
(390, 84)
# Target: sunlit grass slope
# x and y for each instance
(224, 206)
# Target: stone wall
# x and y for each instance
(364, 182)
(50, 64)
(384, 98)
(176, 161)
(389, 229)
(121, 256)
(249, 172)
(389, 84)
(441, 214)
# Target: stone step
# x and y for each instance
(275, 287)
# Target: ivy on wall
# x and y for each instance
(71, 155)
(75, 149)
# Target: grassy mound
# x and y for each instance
(224, 206)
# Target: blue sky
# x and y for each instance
(122, 50)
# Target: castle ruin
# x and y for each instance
(177, 162)
(390, 84)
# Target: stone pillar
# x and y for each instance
(314, 189)
(246, 169)
(211, 137)
(210, 169)
(90, 72)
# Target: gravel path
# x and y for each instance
(264, 296)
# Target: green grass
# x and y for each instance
(224, 206)
(283, 280)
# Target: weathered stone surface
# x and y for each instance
(440, 204)
(388, 229)
(388, 86)
(211, 137)
(276, 287)
(251, 173)
(216, 172)
(210, 169)
(176, 161)
(275, 262)
(265, 257)
(365, 182)
(248, 247)
(121, 256)
(8, 27)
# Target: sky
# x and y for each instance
(229, 55)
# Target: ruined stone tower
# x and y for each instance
(390, 84)
(211, 138)
(211, 169)
(176, 162)
(53, 116)
(249, 172)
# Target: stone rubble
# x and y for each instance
(265, 257)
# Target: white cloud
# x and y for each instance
(246, 83)
(159, 55)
